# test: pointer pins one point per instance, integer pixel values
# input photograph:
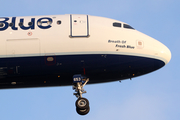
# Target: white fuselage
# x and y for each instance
(62, 35)
(103, 38)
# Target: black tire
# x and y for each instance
(82, 103)
(83, 112)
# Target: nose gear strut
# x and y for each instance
(82, 104)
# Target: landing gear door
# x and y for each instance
(79, 26)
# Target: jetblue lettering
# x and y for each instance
(13, 24)
(5, 24)
(30, 26)
(42, 23)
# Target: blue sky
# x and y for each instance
(154, 96)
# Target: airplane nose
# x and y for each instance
(166, 54)
(163, 52)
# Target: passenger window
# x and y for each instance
(20, 24)
(127, 26)
(30, 23)
(39, 23)
(58, 22)
(117, 24)
(11, 24)
(49, 22)
(1, 24)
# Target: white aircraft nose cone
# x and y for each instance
(162, 52)
(166, 53)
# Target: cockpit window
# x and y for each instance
(117, 24)
(127, 26)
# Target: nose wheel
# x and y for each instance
(82, 104)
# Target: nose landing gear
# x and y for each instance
(82, 104)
